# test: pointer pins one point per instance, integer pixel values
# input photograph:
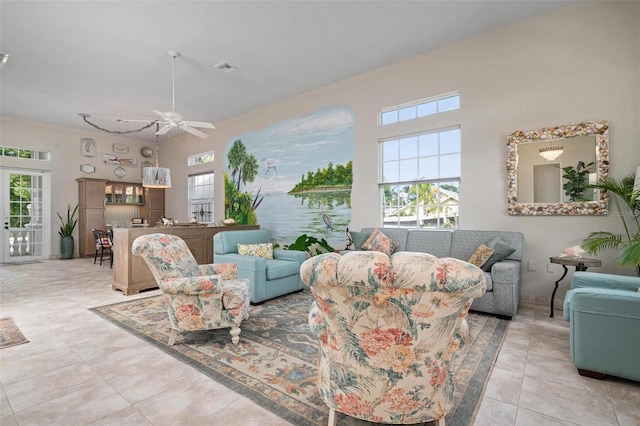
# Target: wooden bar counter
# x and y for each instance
(131, 274)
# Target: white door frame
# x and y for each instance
(33, 240)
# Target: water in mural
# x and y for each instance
(296, 175)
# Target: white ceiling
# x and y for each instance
(109, 59)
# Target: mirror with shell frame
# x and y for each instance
(538, 186)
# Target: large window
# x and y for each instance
(421, 179)
(201, 197)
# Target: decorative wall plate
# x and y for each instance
(146, 151)
(87, 168)
(88, 147)
(120, 148)
(120, 172)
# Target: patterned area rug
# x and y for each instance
(274, 364)
(10, 334)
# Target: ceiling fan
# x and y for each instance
(172, 119)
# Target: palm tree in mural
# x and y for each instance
(243, 166)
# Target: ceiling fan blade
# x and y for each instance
(198, 133)
(201, 124)
(164, 129)
(161, 114)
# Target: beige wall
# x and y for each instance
(64, 145)
(574, 64)
(578, 63)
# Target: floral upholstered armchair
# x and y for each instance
(389, 328)
(198, 297)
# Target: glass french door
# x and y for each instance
(25, 206)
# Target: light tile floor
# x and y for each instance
(79, 369)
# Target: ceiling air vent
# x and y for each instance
(225, 66)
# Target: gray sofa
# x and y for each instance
(503, 280)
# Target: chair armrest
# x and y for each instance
(226, 271)
(506, 271)
(292, 255)
(247, 263)
(583, 279)
(235, 294)
(317, 325)
(191, 285)
(606, 302)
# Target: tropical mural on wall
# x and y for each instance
(294, 177)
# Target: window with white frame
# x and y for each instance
(421, 108)
(420, 179)
(203, 157)
(201, 196)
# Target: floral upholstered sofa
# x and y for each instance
(388, 330)
(502, 269)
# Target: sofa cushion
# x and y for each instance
(502, 250)
(358, 238)
(281, 268)
(435, 242)
(377, 241)
(226, 242)
(487, 277)
(481, 255)
(264, 250)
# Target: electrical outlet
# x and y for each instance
(531, 265)
(550, 268)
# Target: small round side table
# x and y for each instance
(581, 264)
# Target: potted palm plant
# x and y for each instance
(627, 244)
(67, 225)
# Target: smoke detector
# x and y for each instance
(226, 67)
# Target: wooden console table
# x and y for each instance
(131, 274)
(581, 264)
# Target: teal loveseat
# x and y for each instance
(604, 332)
(267, 278)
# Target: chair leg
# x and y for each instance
(332, 417)
(440, 421)
(111, 252)
(95, 257)
(101, 255)
(235, 335)
(172, 337)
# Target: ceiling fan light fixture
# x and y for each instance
(550, 153)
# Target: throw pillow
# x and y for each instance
(502, 250)
(264, 250)
(359, 238)
(377, 241)
(481, 255)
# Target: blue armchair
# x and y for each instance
(604, 332)
(268, 278)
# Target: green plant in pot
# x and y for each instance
(67, 226)
(626, 244)
(576, 181)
